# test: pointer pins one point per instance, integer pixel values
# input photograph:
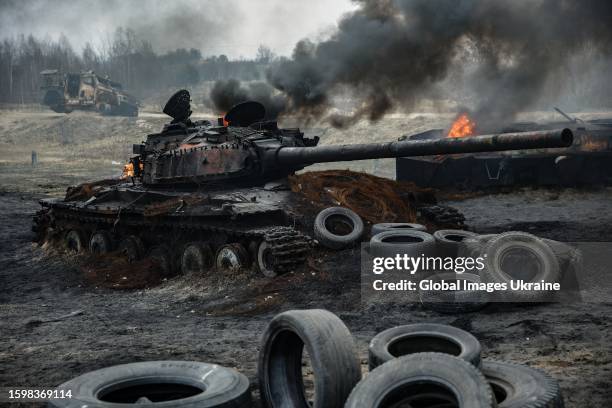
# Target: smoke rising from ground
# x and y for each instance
(391, 53)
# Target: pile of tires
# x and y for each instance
(417, 365)
(413, 239)
(434, 365)
(505, 257)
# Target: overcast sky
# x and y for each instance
(233, 27)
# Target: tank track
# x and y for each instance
(289, 246)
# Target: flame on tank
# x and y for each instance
(462, 126)
(128, 170)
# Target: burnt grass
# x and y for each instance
(57, 323)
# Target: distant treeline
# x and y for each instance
(124, 57)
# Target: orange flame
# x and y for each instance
(462, 126)
(223, 121)
(128, 170)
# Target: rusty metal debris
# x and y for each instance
(65, 92)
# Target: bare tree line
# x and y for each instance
(123, 57)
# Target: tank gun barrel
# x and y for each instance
(472, 144)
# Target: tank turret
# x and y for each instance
(243, 148)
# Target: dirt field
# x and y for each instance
(56, 325)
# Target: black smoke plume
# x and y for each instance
(391, 53)
(227, 93)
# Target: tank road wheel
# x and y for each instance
(75, 241)
(232, 257)
(100, 242)
(162, 256)
(197, 257)
(132, 248)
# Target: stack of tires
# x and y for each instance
(435, 365)
(508, 256)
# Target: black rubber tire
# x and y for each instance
(222, 387)
(448, 242)
(101, 242)
(75, 241)
(394, 226)
(348, 218)
(390, 382)
(132, 248)
(411, 242)
(423, 338)
(332, 352)
(197, 257)
(495, 249)
(263, 263)
(453, 302)
(519, 386)
(162, 255)
(231, 257)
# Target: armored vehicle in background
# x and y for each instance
(587, 162)
(85, 91)
(200, 194)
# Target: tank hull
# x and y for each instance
(245, 218)
(586, 162)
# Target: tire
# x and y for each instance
(231, 257)
(197, 258)
(331, 226)
(411, 242)
(132, 248)
(423, 338)
(543, 261)
(449, 241)
(332, 351)
(519, 386)
(394, 226)
(162, 255)
(453, 302)
(101, 242)
(148, 384)
(264, 263)
(75, 241)
(422, 374)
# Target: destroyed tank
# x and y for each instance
(200, 195)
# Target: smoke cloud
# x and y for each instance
(391, 53)
(226, 94)
(231, 27)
